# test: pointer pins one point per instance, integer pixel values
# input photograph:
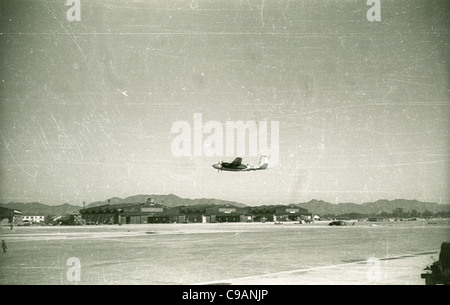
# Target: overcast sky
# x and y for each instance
(87, 106)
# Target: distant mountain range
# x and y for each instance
(314, 206)
(322, 208)
(36, 208)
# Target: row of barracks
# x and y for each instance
(150, 212)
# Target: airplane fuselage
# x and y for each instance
(230, 167)
(237, 166)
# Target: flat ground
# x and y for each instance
(232, 253)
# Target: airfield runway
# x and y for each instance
(393, 253)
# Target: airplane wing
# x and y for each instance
(237, 162)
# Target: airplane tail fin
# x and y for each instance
(263, 162)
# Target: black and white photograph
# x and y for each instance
(235, 143)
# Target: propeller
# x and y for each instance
(220, 166)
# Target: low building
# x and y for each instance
(32, 218)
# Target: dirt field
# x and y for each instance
(231, 253)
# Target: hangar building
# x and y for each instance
(226, 213)
(278, 213)
(13, 216)
(206, 214)
(126, 213)
(150, 212)
(292, 213)
(188, 214)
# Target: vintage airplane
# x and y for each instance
(237, 166)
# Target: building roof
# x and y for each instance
(117, 208)
(277, 209)
(108, 208)
(7, 211)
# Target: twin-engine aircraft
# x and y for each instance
(237, 166)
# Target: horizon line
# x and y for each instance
(213, 198)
